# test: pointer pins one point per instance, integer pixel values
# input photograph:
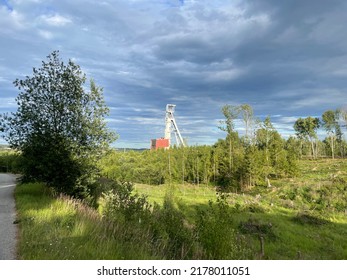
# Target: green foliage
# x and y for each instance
(165, 227)
(307, 129)
(215, 231)
(55, 166)
(330, 120)
(228, 159)
(191, 164)
(169, 231)
(232, 164)
(120, 203)
(252, 169)
(230, 113)
(304, 214)
(58, 127)
(10, 161)
(60, 228)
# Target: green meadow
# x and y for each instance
(299, 218)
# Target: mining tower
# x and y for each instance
(170, 127)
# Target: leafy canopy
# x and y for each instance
(59, 126)
(307, 127)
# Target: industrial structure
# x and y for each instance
(170, 127)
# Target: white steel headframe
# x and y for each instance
(171, 125)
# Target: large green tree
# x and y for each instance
(59, 126)
(307, 129)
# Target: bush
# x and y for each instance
(119, 203)
(215, 233)
(170, 231)
(167, 231)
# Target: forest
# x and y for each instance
(235, 163)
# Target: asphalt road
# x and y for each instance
(8, 230)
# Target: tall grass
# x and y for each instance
(302, 218)
(62, 228)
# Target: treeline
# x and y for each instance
(10, 162)
(234, 163)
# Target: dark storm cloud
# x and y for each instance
(285, 58)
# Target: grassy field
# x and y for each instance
(305, 217)
(61, 229)
(298, 218)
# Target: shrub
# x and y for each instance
(215, 233)
(170, 231)
(119, 203)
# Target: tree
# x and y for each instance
(252, 168)
(343, 116)
(307, 129)
(342, 112)
(331, 125)
(59, 127)
(230, 113)
(264, 137)
(248, 118)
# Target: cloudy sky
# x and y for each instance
(287, 59)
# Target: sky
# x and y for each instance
(287, 59)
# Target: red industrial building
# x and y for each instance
(160, 143)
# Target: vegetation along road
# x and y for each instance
(7, 217)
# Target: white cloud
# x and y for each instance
(10, 21)
(55, 20)
(46, 34)
(145, 120)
